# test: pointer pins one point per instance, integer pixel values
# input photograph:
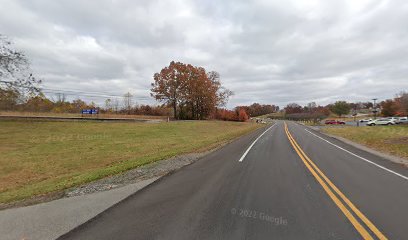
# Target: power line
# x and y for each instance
(77, 92)
(84, 92)
(71, 93)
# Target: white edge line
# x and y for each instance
(253, 143)
(362, 158)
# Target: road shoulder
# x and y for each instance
(389, 157)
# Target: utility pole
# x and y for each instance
(375, 108)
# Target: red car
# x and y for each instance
(334, 122)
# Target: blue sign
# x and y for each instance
(89, 111)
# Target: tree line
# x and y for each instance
(256, 109)
(397, 106)
(59, 104)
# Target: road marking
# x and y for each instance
(309, 163)
(362, 158)
(342, 196)
(253, 143)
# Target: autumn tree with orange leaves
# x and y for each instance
(242, 115)
(192, 92)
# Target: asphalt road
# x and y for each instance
(289, 185)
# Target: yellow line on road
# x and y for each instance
(309, 163)
(342, 196)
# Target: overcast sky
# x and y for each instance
(265, 51)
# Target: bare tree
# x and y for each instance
(108, 105)
(311, 107)
(60, 98)
(15, 69)
(128, 101)
(16, 82)
(115, 105)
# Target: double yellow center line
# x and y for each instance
(332, 190)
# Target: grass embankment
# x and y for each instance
(40, 157)
(102, 115)
(388, 139)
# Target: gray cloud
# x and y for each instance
(266, 51)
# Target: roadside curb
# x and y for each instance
(386, 156)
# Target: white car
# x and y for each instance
(403, 120)
(381, 121)
(395, 119)
(366, 120)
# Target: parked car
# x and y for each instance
(403, 120)
(366, 120)
(395, 119)
(381, 121)
(334, 122)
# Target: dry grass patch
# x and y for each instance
(388, 139)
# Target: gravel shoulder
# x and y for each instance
(150, 171)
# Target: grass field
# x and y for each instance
(102, 115)
(388, 139)
(40, 157)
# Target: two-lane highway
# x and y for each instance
(280, 182)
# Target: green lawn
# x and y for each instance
(388, 139)
(40, 157)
